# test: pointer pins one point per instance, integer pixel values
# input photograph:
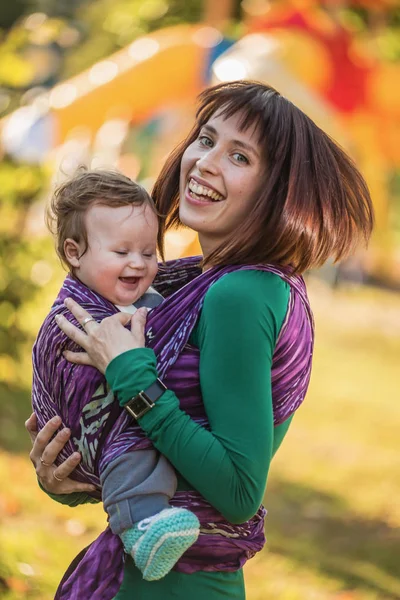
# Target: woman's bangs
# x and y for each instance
(250, 115)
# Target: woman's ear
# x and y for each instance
(72, 252)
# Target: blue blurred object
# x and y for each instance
(28, 134)
(213, 54)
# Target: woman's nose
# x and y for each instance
(208, 163)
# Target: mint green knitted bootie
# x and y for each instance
(158, 542)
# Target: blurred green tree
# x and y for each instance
(11, 11)
(23, 271)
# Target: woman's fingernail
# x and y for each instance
(67, 302)
(55, 420)
(57, 318)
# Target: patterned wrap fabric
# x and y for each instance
(86, 405)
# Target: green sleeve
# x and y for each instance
(73, 499)
(236, 334)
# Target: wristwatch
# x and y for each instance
(141, 404)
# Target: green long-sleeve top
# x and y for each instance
(236, 334)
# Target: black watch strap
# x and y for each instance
(141, 404)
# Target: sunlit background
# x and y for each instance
(112, 83)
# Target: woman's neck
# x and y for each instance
(207, 246)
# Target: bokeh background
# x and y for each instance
(113, 83)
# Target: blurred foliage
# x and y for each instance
(395, 208)
(19, 186)
(11, 11)
(384, 25)
(111, 25)
(82, 32)
(23, 270)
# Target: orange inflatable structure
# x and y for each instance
(156, 70)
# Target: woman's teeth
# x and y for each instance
(201, 190)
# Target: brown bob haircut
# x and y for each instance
(65, 215)
(312, 202)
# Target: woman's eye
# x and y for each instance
(206, 141)
(241, 158)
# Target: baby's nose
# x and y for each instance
(137, 262)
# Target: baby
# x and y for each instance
(106, 234)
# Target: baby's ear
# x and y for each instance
(72, 252)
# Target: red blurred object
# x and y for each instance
(346, 88)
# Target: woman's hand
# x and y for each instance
(102, 341)
(44, 453)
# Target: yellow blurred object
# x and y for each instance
(389, 138)
(298, 51)
(383, 89)
(154, 71)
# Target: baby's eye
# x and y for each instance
(240, 158)
(206, 141)
(121, 252)
(148, 254)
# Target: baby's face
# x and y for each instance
(121, 261)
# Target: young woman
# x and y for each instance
(270, 196)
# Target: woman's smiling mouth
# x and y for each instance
(202, 192)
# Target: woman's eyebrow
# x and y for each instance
(240, 143)
(245, 146)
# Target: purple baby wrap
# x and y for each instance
(80, 396)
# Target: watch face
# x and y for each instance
(139, 406)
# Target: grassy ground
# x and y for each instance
(332, 497)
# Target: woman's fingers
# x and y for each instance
(122, 317)
(101, 341)
(44, 453)
(65, 486)
(84, 318)
(75, 334)
(31, 427)
(43, 437)
(52, 449)
(57, 480)
(65, 469)
(79, 313)
(78, 358)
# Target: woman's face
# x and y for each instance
(220, 174)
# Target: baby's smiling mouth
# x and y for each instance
(130, 280)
